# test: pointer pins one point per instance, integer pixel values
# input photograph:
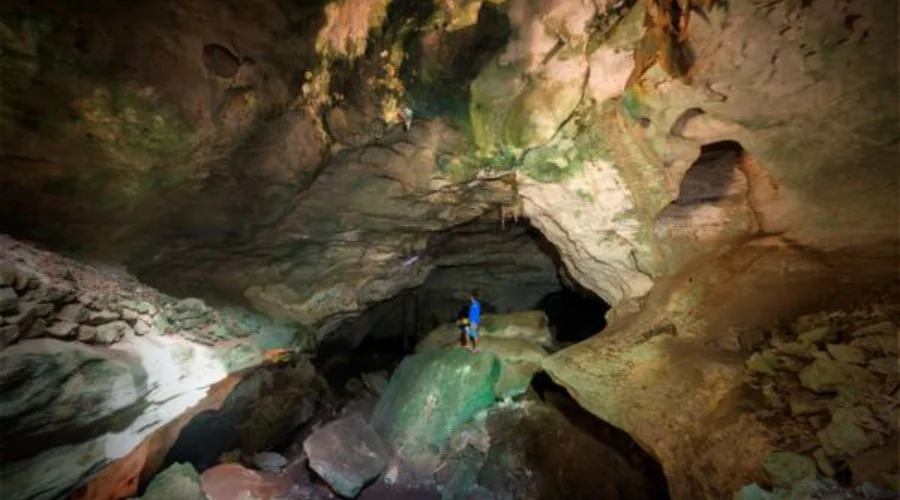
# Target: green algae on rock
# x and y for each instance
(432, 393)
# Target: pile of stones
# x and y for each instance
(830, 386)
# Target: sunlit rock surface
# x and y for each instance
(90, 402)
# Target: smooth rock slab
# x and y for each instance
(347, 454)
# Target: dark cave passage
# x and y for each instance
(574, 315)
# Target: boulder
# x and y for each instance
(62, 329)
(847, 354)
(880, 345)
(8, 300)
(825, 375)
(843, 439)
(142, 328)
(347, 454)
(884, 366)
(823, 462)
(432, 393)
(231, 481)
(800, 349)
(110, 333)
(785, 469)
(179, 481)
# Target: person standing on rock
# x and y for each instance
(474, 319)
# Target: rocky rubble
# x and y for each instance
(94, 364)
(830, 383)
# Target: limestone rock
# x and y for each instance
(179, 481)
(785, 469)
(882, 328)
(800, 349)
(269, 461)
(760, 363)
(24, 318)
(38, 329)
(823, 462)
(8, 300)
(347, 454)
(885, 366)
(8, 335)
(142, 328)
(87, 334)
(73, 313)
(432, 393)
(62, 329)
(376, 381)
(879, 345)
(828, 375)
(109, 333)
(820, 334)
(847, 354)
(804, 404)
(843, 439)
(97, 318)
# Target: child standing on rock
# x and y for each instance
(474, 319)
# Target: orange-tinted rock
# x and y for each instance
(122, 478)
(232, 481)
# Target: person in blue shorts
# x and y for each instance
(474, 319)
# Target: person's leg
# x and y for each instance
(474, 336)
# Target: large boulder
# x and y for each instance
(432, 393)
(347, 454)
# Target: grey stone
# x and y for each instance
(62, 329)
(142, 328)
(785, 469)
(347, 454)
(129, 316)
(86, 299)
(109, 333)
(24, 318)
(73, 313)
(9, 300)
(44, 310)
(269, 461)
(847, 354)
(8, 274)
(87, 334)
(879, 345)
(820, 334)
(37, 329)
(8, 335)
(97, 318)
(375, 381)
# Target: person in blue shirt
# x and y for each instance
(474, 319)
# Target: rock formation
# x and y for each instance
(712, 170)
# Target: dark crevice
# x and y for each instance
(626, 447)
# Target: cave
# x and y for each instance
(453, 249)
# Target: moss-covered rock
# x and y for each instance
(178, 481)
(432, 393)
